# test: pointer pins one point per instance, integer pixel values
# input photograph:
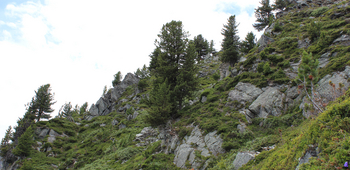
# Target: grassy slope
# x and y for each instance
(109, 147)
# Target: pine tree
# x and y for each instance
(66, 112)
(187, 81)
(264, 15)
(154, 59)
(43, 102)
(174, 63)
(280, 4)
(117, 79)
(201, 45)
(160, 104)
(308, 76)
(5, 143)
(83, 108)
(25, 143)
(230, 43)
(249, 43)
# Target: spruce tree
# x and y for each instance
(230, 43)
(249, 43)
(43, 102)
(264, 15)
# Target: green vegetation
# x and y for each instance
(169, 91)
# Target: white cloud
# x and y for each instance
(61, 42)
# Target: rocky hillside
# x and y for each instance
(253, 115)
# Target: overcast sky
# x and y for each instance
(78, 45)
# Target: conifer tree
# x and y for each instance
(5, 143)
(249, 43)
(43, 102)
(25, 143)
(280, 4)
(160, 104)
(230, 43)
(174, 64)
(117, 79)
(308, 76)
(83, 108)
(264, 15)
(187, 81)
(201, 45)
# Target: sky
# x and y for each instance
(77, 46)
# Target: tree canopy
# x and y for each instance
(230, 43)
(264, 15)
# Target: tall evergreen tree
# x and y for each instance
(201, 45)
(230, 43)
(264, 15)
(174, 64)
(187, 81)
(43, 102)
(249, 43)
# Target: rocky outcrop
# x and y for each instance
(196, 142)
(242, 94)
(343, 40)
(117, 91)
(106, 104)
(311, 152)
(243, 158)
(147, 136)
(224, 70)
(270, 102)
(305, 43)
(42, 132)
(264, 41)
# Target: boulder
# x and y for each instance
(114, 122)
(264, 41)
(270, 102)
(343, 40)
(326, 91)
(243, 93)
(42, 131)
(204, 99)
(196, 142)
(146, 136)
(52, 136)
(305, 43)
(243, 158)
(118, 90)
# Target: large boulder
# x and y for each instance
(270, 102)
(211, 143)
(242, 158)
(118, 90)
(264, 41)
(243, 93)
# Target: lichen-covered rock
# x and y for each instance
(196, 142)
(270, 102)
(243, 93)
(242, 158)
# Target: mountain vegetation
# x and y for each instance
(278, 103)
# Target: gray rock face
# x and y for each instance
(311, 152)
(52, 136)
(343, 40)
(243, 93)
(305, 43)
(264, 41)
(122, 126)
(324, 59)
(270, 102)
(224, 70)
(114, 122)
(147, 136)
(118, 90)
(326, 91)
(242, 158)
(196, 142)
(42, 132)
(204, 99)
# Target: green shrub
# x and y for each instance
(275, 58)
(250, 60)
(266, 68)
(277, 27)
(216, 76)
(314, 30)
(260, 67)
(319, 11)
(263, 55)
